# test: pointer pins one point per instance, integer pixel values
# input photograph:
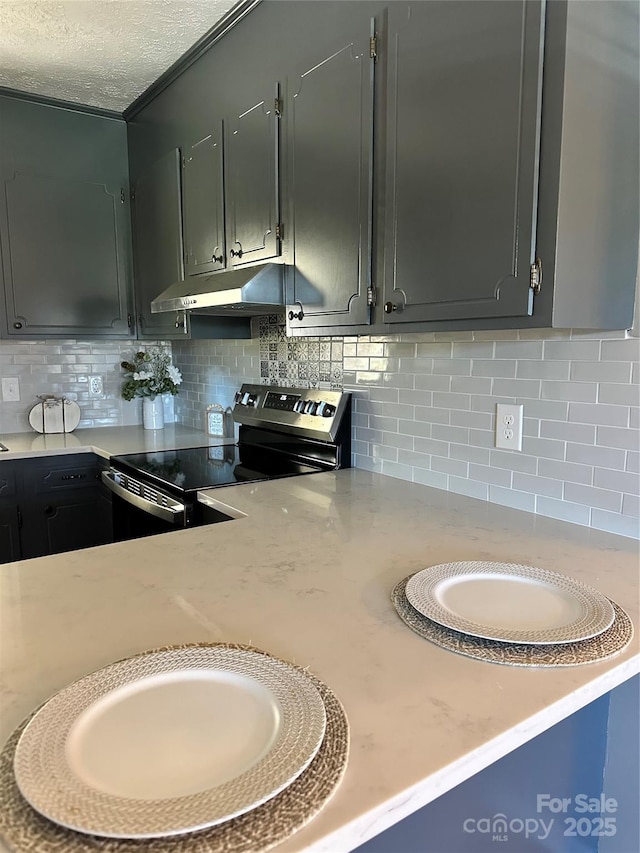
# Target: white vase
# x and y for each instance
(152, 413)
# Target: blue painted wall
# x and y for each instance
(564, 762)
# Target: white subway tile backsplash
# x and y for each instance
(512, 498)
(600, 413)
(435, 479)
(424, 405)
(594, 497)
(631, 505)
(452, 366)
(563, 510)
(513, 461)
(474, 420)
(494, 367)
(469, 453)
(593, 454)
(520, 389)
(569, 471)
(578, 392)
(633, 461)
(547, 448)
(543, 370)
(470, 488)
(621, 481)
(582, 433)
(614, 522)
(569, 350)
(493, 476)
(449, 466)
(471, 385)
(449, 400)
(624, 350)
(601, 371)
(628, 439)
(546, 486)
(431, 446)
(519, 350)
(62, 367)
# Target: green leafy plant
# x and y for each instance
(149, 374)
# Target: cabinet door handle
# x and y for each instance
(49, 511)
(17, 325)
(236, 253)
(390, 307)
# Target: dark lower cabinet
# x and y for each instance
(60, 504)
(9, 534)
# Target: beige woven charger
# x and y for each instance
(25, 831)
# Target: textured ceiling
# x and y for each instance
(99, 52)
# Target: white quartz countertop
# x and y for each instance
(106, 441)
(306, 574)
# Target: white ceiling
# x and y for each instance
(98, 52)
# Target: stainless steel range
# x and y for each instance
(284, 432)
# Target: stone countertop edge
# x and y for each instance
(305, 572)
(106, 441)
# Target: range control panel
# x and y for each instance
(314, 412)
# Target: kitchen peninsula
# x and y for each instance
(307, 575)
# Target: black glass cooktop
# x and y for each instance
(196, 468)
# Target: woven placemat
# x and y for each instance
(25, 831)
(606, 645)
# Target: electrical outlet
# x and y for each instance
(95, 386)
(509, 426)
(11, 390)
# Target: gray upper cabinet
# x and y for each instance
(252, 181)
(329, 112)
(203, 204)
(464, 84)
(64, 223)
(157, 232)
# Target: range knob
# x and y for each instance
(237, 397)
(326, 410)
(300, 406)
(310, 408)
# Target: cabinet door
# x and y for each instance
(329, 111)
(157, 247)
(9, 533)
(64, 505)
(65, 265)
(66, 522)
(464, 88)
(203, 205)
(252, 181)
(9, 515)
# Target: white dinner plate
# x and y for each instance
(509, 602)
(169, 742)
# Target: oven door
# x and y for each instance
(141, 510)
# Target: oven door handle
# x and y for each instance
(173, 514)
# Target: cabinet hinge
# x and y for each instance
(123, 195)
(279, 231)
(371, 296)
(19, 518)
(277, 106)
(129, 320)
(373, 47)
(535, 281)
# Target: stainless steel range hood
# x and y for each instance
(251, 290)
